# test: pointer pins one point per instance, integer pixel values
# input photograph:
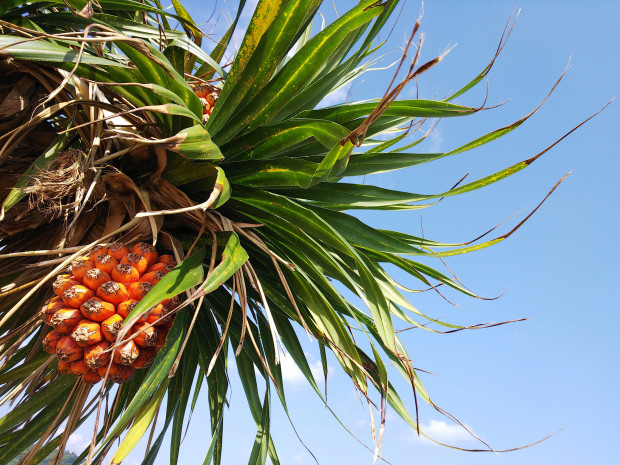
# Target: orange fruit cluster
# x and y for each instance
(91, 303)
(208, 95)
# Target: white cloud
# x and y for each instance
(77, 441)
(290, 372)
(361, 423)
(435, 140)
(317, 370)
(448, 433)
(293, 376)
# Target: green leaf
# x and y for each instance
(341, 196)
(370, 163)
(185, 378)
(362, 164)
(258, 456)
(20, 440)
(356, 193)
(196, 52)
(155, 68)
(377, 303)
(329, 325)
(223, 187)
(359, 233)
(334, 163)
(348, 112)
(233, 257)
(143, 419)
(417, 269)
(48, 395)
(265, 13)
(217, 381)
(188, 273)
(299, 70)
(190, 27)
(189, 172)
(157, 374)
(22, 371)
(270, 35)
(214, 445)
(47, 52)
(268, 141)
(334, 76)
(151, 455)
(281, 172)
(194, 143)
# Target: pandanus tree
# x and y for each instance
(200, 214)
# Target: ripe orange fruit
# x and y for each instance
(91, 377)
(96, 355)
(76, 295)
(97, 310)
(87, 333)
(139, 262)
(125, 273)
(111, 326)
(106, 263)
(80, 267)
(118, 250)
(154, 276)
(146, 357)
(169, 259)
(146, 335)
(126, 354)
(159, 316)
(161, 339)
(125, 308)
(138, 290)
(65, 319)
(113, 292)
(95, 278)
(114, 372)
(78, 367)
(50, 307)
(64, 282)
(91, 303)
(67, 350)
(96, 251)
(64, 368)
(125, 375)
(50, 342)
(147, 251)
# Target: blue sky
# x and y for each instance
(516, 383)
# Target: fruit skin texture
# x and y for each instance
(50, 342)
(91, 303)
(97, 310)
(96, 355)
(113, 292)
(111, 326)
(76, 295)
(64, 368)
(126, 354)
(87, 333)
(114, 371)
(146, 335)
(65, 319)
(68, 351)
